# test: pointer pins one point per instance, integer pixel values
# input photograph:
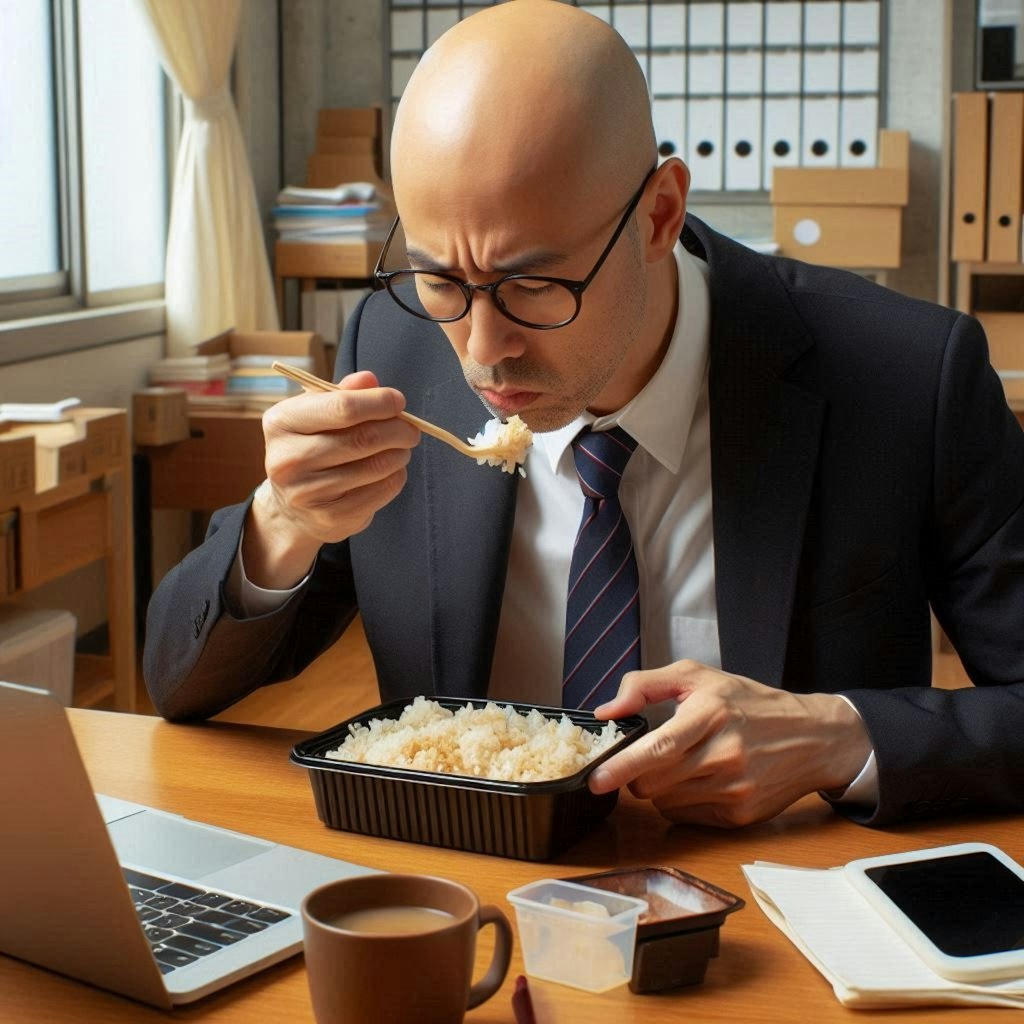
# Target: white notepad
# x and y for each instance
(865, 961)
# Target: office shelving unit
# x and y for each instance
(738, 87)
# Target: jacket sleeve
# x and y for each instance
(942, 751)
(200, 656)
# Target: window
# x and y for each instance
(84, 158)
(737, 86)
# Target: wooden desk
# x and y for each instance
(239, 777)
(219, 464)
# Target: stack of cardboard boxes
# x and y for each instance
(844, 216)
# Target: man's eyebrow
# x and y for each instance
(528, 263)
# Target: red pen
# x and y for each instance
(522, 1005)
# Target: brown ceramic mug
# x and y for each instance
(398, 948)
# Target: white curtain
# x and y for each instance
(217, 271)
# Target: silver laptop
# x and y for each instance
(151, 905)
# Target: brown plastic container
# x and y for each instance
(678, 934)
(525, 820)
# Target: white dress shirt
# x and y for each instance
(666, 498)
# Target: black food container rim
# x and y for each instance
(310, 753)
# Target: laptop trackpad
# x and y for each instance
(178, 847)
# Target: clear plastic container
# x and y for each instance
(576, 935)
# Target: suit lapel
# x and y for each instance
(765, 436)
(470, 513)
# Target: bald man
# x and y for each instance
(818, 461)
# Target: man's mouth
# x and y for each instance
(508, 402)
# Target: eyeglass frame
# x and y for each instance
(576, 288)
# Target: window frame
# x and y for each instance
(65, 292)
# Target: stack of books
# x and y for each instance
(353, 212)
(222, 381)
(251, 377)
(198, 375)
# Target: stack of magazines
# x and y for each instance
(353, 212)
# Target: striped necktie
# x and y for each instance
(602, 615)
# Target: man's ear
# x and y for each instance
(666, 207)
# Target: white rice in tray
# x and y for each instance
(492, 742)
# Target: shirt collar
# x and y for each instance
(659, 416)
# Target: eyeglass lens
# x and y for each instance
(533, 300)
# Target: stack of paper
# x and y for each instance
(353, 192)
(865, 961)
(347, 213)
(37, 412)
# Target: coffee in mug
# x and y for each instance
(398, 948)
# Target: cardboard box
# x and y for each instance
(1005, 332)
(888, 184)
(364, 121)
(106, 437)
(840, 186)
(17, 467)
(8, 552)
(85, 443)
(327, 170)
(840, 236)
(282, 345)
(159, 416)
(37, 648)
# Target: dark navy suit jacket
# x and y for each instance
(865, 466)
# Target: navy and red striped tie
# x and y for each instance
(602, 615)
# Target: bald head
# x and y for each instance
(524, 95)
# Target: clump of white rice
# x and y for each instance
(492, 742)
(509, 441)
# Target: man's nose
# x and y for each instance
(492, 336)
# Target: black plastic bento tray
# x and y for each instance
(525, 820)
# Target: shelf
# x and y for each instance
(986, 268)
(94, 682)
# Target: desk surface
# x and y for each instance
(239, 777)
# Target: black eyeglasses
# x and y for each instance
(540, 302)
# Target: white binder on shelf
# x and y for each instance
(821, 23)
(858, 131)
(630, 21)
(783, 23)
(406, 30)
(743, 23)
(820, 146)
(821, 71)
(781, 134)
(782, 72)
(670, 126)
(743, 143)
(668, 74)
(860, 71)
(704, 142)
(438, 22)
(602, 11)
(707, 72)
(668, 22)
(861, 23)
(743, 72)
(707, 24)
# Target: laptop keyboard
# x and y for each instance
(185, 922)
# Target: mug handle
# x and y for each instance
(491, 981)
